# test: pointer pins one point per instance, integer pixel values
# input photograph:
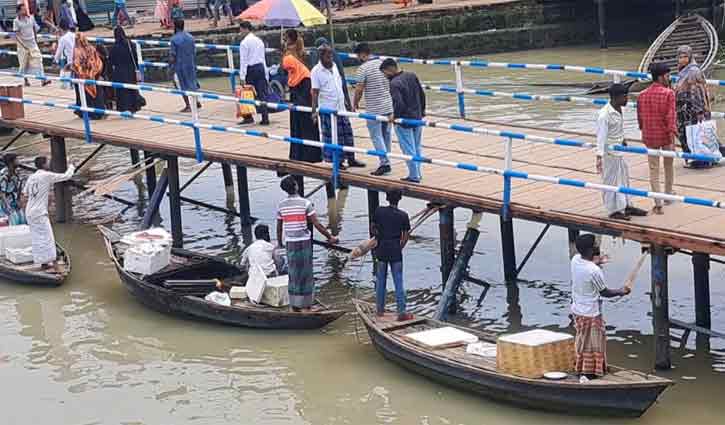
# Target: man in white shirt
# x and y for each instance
(610, 164)
(327, 93)
(253, 68)
(66, 46)
(261, 252)
(587, 290)
(36, 192)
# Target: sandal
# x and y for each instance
(658, 210)
(619, 216)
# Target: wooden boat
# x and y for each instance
(620, 393)
(31, 274)
(185, 265)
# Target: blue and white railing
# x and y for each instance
(508, 173)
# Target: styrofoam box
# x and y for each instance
(146, 258)
(156, 235)
(443, 336)
(15, 237)
(483, 349)
(238, 293)
(276, 293)
(19, 255)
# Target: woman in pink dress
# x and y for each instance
(162, 13)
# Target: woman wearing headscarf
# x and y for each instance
(693, 102)
(11, 186)
(123, 64)
(301, 124)
(88, 64)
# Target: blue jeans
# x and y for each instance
(224, 5)
(381, 277)
(410, 144)
(117, 11)
(380, 133)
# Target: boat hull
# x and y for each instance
(35, 278)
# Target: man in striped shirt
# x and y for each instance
(295, 216)
(374, 85)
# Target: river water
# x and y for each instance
(88, 353)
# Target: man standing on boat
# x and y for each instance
(295, 216)
(588, 289)
(391, 228)
(36, 192)
(610, 164)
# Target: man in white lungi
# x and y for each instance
(30, 60)
(36, 192)
(610, 164)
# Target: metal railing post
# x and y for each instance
(84, 105)
(230, 65)
(140, 63)
(335, 152)
(459, 89)
(508, 164)
(193, 99)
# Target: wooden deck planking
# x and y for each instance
(682, 226)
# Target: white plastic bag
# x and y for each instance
(702, 139)
(65, 74)
(220, 298)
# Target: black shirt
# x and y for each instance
(390, 223)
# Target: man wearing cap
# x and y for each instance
(657, 119)
(610, 164)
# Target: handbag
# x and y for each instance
(702, 139)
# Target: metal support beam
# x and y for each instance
(602, 14)
(373, 204)
(701, 272)
(228, 183)
(243, 188)
(152, 212)
(11, 142)
(660, 307)
(195, 176)
(448, 299)
(91, 156)
(177, 233)
(508, 250)
(447, 232)
(59, 164)
(573, 234)
(300, 179)
(135, 159)
(150, 174)
(532, 249)
(678, 9)
(213, 207)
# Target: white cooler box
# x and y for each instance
(156, 235)
(146, 258)
(19, 255)
(276, 293)
(16, 237)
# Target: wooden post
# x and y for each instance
(243, 188)
(448, 299)
(228, 183)
(602, 14)
(150, 174)
(151, 216)
(573, 234)
(660, 308)
(508, 249)
(373, 204)
(446, 228)
(713, 12)
(59, 164)
(701, 271)
(177, 233)
(678, 10)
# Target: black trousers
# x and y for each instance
(256, 77)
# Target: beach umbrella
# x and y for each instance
(284, 13)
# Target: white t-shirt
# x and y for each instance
(329, 83)
(251, 52)
(610, 130)
(260, 253)
(587, 282)
(38, 187)
(66, 47)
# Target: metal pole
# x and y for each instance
(177, 232)
(331, 26)
(448, 299)
(573, 234)
(228, 183)
(197, 133)
(459, 90)
(660, 308)
(602, 12)
(701, 272)
(243, 188)
(59, 164)
(150, 174)
(140, 64)
(151, 216)
(230, 64)
(335, 153)
(447, 232)
(84, 104)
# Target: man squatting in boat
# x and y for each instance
(588, 289)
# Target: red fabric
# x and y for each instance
(657, 116)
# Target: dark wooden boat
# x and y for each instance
(185, 265)
(31, 274)
(620, 393)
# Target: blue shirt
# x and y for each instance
(120, 3)
(183, 50)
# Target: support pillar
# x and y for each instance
(373, 204)
(573, 234)
(177, 233)
(243, 188)
(150, 174)
(508, 249)
(448, 299)
(59, 164)
(228, 184)
(713, 12)
(602, 14)
(678, 9)
(447, 231)
(135, 158)
(660, 308)
(151, 216)
(701, 271)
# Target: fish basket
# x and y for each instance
(531, 354)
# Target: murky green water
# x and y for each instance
(88, 353)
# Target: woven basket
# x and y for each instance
(532, 360)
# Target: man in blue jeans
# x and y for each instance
(408, 103)
(391, 228)
(372, 83)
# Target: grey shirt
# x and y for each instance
(25, 30)
(377, 88)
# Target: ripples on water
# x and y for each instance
(88, 353)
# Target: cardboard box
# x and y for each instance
(276, 292)
(17, 237)
(146, 259)
(12, 110)
(19, 255)
(531, 354)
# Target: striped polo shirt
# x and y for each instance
(293, 211)
(377, 88)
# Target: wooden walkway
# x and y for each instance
(691, 227)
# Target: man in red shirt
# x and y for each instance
(657, 120)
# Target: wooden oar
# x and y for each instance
(629, 282)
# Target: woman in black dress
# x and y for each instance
(123, 70)
(301, 124)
